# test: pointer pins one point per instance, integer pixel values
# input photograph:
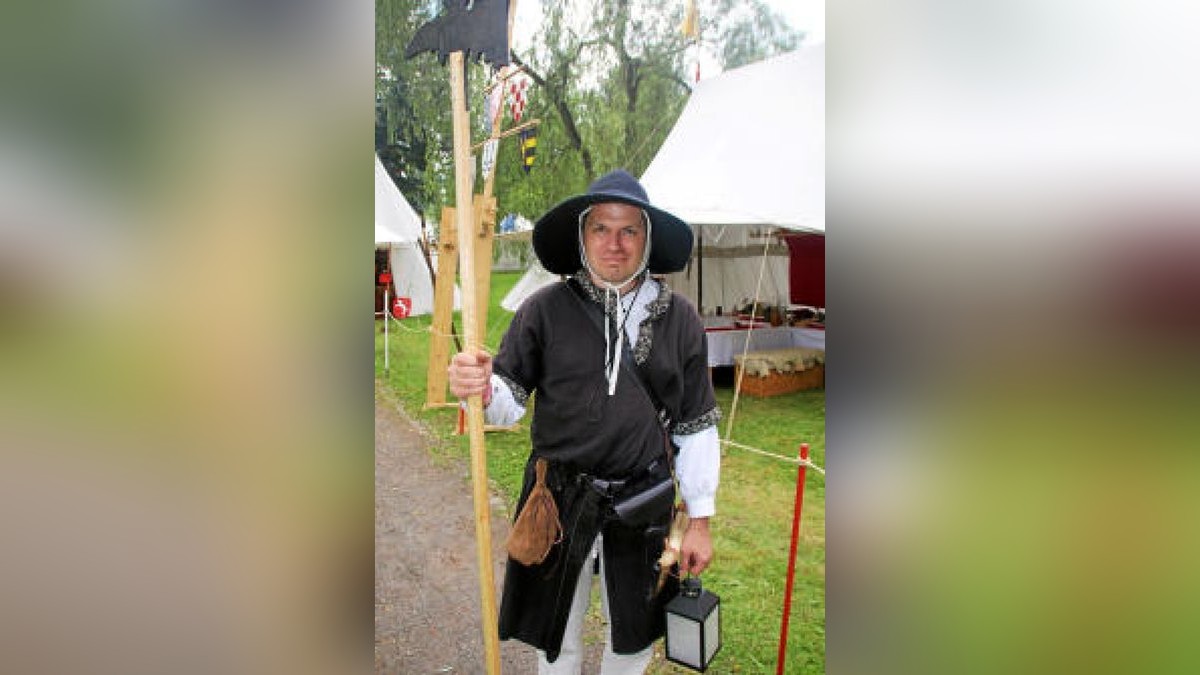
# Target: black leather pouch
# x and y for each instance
(647, 505)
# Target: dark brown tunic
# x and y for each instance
(553, 348)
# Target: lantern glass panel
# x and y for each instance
(712, 634)
(683, 643)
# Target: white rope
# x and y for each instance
(489, 348)
(741, 372)
(400, 324)
(782, 458)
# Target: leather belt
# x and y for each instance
(607, 488)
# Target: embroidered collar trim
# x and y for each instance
(655, 309)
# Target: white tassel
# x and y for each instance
(608, 345)
(616, 367)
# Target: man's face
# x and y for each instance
(614, 239)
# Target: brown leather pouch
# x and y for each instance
(537, 528)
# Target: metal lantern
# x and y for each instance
(693, 626)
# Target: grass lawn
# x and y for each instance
(752, 528)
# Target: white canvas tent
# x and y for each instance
(532, 280)
(535, 276)
(746, 157)
(513, 245)
(398, 229)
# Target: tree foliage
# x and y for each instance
(610, 78)
(756, 33)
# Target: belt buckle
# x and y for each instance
(608, 488)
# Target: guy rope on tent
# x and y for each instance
(481, 28)
(802, 461)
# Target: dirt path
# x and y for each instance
(426, 582)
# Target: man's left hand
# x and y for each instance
(696, 551)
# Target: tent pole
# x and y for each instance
(700, 269)
(386, 316)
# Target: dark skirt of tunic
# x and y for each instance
(537, 599)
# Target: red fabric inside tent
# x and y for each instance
(806, 269)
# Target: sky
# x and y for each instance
(804, 15)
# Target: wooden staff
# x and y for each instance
(466, 260)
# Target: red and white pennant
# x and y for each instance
(517, 86)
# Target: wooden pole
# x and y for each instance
(485, 218)
(443, 310)
(508, 72)
(424, 246)
(497, 134)
(484, 215)
(791, 571)
(466, 245)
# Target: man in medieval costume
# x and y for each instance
(619, 365)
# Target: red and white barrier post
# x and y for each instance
(791, 572)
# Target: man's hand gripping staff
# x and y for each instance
(471, 373)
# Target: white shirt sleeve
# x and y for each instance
(698, 467)
(503, 409)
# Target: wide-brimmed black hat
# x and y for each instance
(556, 234)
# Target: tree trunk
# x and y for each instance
(633, 77)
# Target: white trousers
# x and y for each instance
(570, 659)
